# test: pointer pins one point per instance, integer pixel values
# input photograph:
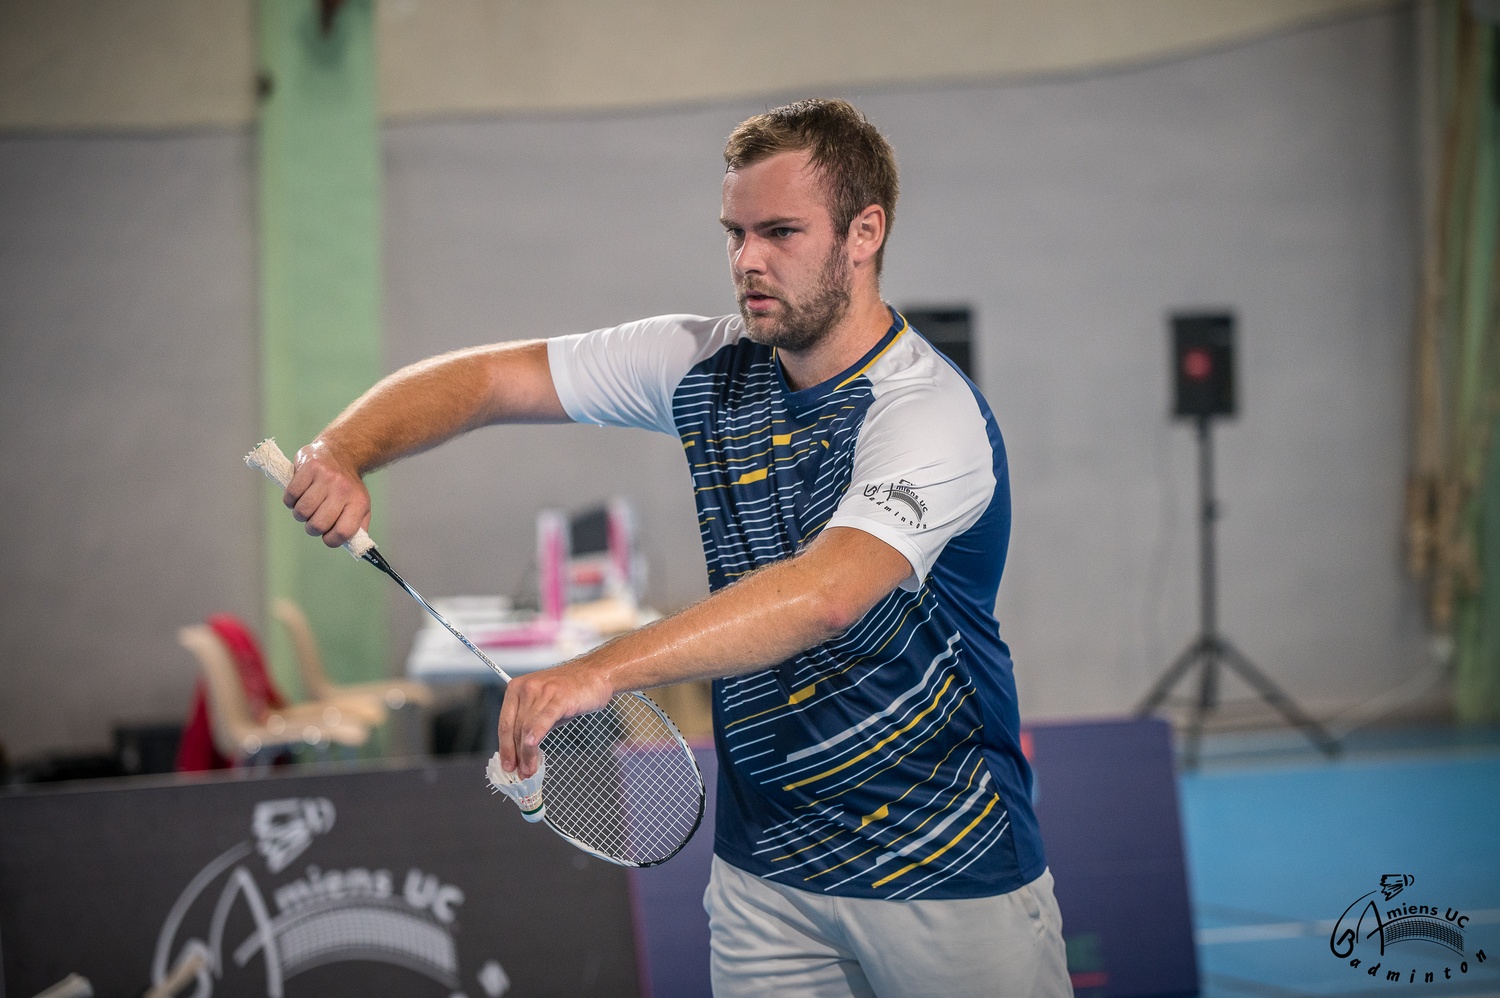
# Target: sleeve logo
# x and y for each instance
(900, 499)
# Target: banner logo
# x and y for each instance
(314, 916)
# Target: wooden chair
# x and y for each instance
(368, 701)
(244, 738)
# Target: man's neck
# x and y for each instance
(861, 328)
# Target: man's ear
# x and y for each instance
(866, 235)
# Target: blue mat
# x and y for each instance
(1276, 854)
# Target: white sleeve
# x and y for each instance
(924, 472)
(625, 375)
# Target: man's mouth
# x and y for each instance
(758, 301)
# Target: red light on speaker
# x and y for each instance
(1198, 364)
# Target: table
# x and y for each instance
(438, 657)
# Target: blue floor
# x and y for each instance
(1280, 842)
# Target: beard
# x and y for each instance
(801, 324)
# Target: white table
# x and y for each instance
(438, 657)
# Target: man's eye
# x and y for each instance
(781, 232)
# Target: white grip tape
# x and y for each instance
(268, 459)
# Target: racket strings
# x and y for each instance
(622, 782)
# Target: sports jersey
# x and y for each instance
(885, 762)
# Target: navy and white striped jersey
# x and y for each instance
(885, 763)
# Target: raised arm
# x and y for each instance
(410, 411)
(759, 621)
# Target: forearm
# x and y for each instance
(758, 622)
(436, 399)
(761, 620)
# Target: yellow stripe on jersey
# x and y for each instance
(862, 370)
(994, 799)
(751, 477)
(881, 812)
(899, 758)
(878, 745)
(921, 602)
(910, 832)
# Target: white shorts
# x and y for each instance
(768, 939)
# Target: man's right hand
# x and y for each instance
(327, 494)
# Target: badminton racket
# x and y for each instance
(619, 783)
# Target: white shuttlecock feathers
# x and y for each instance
(526, 793)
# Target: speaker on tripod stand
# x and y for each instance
(1204, 390)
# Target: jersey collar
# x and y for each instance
(807, 398)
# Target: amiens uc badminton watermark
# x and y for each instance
(1400, 937)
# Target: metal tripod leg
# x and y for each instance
(1208, 649)
(1169, 679)
(1273, 695)
(1208, 699)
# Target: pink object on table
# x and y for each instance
(552, 550)
(532, 634)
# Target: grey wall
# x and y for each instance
(1275, 178)
(128, 376)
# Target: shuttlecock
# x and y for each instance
(526, 793)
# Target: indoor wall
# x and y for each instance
(1072, 213)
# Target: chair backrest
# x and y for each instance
(305, 643)
(260, 689)
(228, 708)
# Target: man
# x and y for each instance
(875, 834)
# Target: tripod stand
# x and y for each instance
(1209, 649)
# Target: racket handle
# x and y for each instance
(268, 459)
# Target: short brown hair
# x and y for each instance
(855, 160)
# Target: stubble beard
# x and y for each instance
(802, 325)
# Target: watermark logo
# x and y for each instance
(1408, 941)
(1392, 884)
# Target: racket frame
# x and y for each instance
(697, 820)
(374, 557)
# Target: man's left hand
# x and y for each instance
(535, 703)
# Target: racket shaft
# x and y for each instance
(374, 557)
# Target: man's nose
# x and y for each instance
(750, 257)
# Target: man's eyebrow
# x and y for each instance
(769, 223)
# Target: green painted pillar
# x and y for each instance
(319, 149)
(1473, 287)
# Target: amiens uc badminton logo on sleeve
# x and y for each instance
(1400, 937)
(899, 499)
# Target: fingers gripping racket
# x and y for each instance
(619, 783)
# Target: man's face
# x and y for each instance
(791, 275)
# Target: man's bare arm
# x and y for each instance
(759, 621)
(410, 411)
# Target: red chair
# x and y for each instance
(238, 715)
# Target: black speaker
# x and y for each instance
(1203, 364)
